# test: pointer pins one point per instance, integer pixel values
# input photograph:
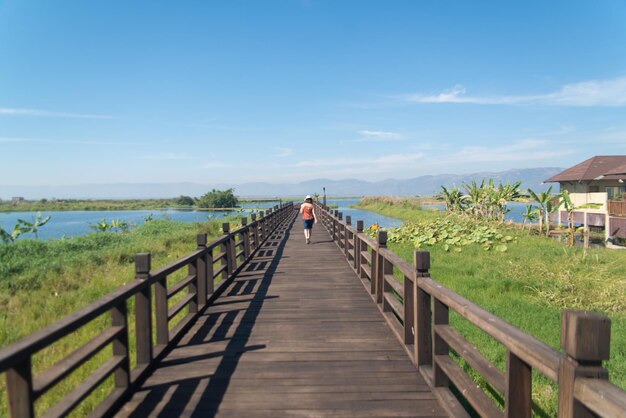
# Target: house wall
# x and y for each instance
(583, 187)
(593, 218)
(617, 227)
(580, 199)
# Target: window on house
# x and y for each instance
(594, 189)
(615, 192)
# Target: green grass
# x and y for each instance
(88, 204)
(405, 209)
(43, 281)
(528, 286)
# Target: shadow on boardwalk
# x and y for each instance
(295, 334)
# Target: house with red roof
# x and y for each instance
(600, 180)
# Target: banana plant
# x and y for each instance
(32, 227)
(530, 215)
(453, 199)
(101, 226)
(475, 195)
(5, 236)
(545, 200)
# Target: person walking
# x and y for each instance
(308, 216)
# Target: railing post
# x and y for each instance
(440, 346)
(585, 338)
(341, 230)
(120, 344)
(201, 271)
(346, 237)
(160, 314)
(209, 272)
(228, 249)
(422, 340)
(382, 267)
(143, 314)
(20, 389)
(357, 248)
(192, 287)
(409, 306)
(255, 231)
(246, 238)
(518, 389)
(261, 227)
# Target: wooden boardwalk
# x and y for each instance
(295, 334)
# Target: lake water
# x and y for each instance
(74, 223)
(366, 216)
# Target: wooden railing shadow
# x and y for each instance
(251, 281)
(163, 312)
(418, 311)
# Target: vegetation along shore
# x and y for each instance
(527, 283)
(43, 281)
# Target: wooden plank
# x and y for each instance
(85, 388)
(602, 397)
(180, 285)
(52, 375)
(289, 336)
(472, 356)
(179, 306)
(395, 284)
(473, 394)
(395, 305)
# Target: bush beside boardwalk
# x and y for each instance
(43, 281)
(527, 286)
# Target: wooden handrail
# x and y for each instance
(422, 326)
(23, 388)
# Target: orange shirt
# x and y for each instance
(307, 211)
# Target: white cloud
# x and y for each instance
(167, 156)
(587, 93)
(283, 152)
(525, 150)
(380, 135)
(48, 113)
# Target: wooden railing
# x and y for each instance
(418, 309)
(617, 208)
(212, 263)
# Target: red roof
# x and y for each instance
(618, 171)
(608, 167)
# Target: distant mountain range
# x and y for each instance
(424, 185)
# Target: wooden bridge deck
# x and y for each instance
(295, 334)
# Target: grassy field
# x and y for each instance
(43, 281)
(528, 286)
(102, 204)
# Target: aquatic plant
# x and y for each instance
(451, 232)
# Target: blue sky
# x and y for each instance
(243, 91)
